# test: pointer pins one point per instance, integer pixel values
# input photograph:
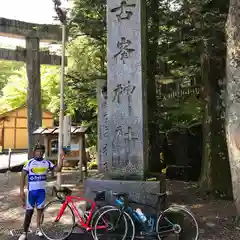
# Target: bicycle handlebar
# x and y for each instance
(62, 190)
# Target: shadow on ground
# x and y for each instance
(216, 218)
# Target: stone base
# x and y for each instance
(139, 191)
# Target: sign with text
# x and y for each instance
(126, 149)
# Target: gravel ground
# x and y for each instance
(217, 218)
(11, 211)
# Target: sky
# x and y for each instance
(35, 11)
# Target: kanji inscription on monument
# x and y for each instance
(123, 11)
(124, 49)
(127, 131)
(102, 125)
(122, 90)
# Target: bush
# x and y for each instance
(92, 165)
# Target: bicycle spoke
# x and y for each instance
(182, 222)
(60, 229)
(116, 226)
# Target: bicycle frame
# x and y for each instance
(130, 211)
(69, 201)
(135, 216)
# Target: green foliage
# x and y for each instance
(7, 69)
(15, 91)
(181, 113)
(50, 78)
(87, 53)
(92, 165)
(81, 78)
(89, 18)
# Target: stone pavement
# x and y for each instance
(11, 211)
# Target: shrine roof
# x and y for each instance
(55, 130)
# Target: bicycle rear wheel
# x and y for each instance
(57, 230)
(96, 215)
(177, 222)
(114, 224)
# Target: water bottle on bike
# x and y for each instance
(141, 215)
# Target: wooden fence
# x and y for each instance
(186, 91)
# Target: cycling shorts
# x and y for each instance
(36, 198)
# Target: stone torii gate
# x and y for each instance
(33, 57)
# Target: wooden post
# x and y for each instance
(81, 157)
(84, 155)
(9, 163)
(46, 144)
(9, 158)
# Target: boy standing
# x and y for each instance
(36, 169)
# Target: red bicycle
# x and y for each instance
(66, 209)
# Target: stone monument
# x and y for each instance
(127, 119)
(33, 57)
(124, 147)
(102, 124)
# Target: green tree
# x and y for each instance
(192, 48)
(7, 69)
(81, 78)
(15, 91)
(183, 37)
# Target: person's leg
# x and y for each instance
(27, 220)
(40, 201)
(30, 201)
(39, 214)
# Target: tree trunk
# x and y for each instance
(232, 98)
(152, 46)
(215, 175)
(205, 178)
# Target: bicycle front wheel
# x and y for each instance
(53, 229)
(114, 224)
(177, 222)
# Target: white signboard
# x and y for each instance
(75, 147)
(67, 131)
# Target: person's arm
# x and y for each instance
(22, 181)
(59, 166)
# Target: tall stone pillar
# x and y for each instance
(127, 102)
(33, 89)
(126, 138)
